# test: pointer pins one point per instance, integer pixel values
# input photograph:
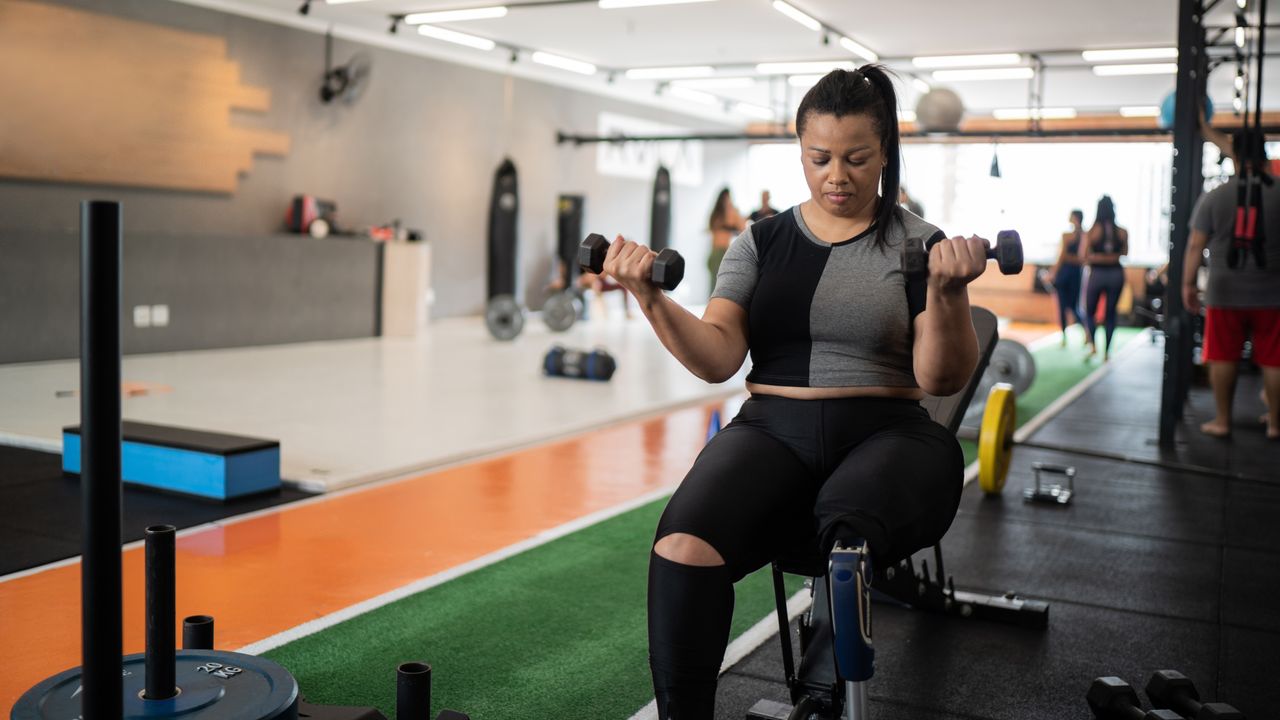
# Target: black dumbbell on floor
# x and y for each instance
(1111, 698)
(1175, 691)
(1007, 253)
(668, 267)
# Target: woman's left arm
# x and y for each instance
(945, 348)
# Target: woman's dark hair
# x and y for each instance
(1106, 213)
(1249, 147)
(719, 210)
(1105, 216)
(1078, 215)
(865, 91)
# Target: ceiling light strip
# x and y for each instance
(483, 13)
(563, 63)
(456, 38)
(1159, 53)
(796, 14)
(1140, 69)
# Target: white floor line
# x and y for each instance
(417, 586)
(745, 644)
(334, 494)
(1079, 389)
(1057, 406)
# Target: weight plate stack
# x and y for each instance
(211, 684)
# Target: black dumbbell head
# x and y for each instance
(1218, 711)
(668, 269)
(915, 261)
(1108, 694)
(591, 253)
(1166, 686)
(1009, 252)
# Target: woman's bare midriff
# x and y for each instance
(812, 393)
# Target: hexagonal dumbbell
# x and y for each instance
(1171, 689)
(668, 267)
(1007, 253)
(1111, 698)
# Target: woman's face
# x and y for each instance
(842, 161)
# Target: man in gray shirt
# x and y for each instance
(1242, 296)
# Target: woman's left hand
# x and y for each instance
(956, 262)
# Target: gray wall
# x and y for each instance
(420, 145)
(221, 291)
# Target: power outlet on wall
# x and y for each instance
(159, 316)
(142, 316)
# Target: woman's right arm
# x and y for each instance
(713, 347)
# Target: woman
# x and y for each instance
(1066, 276)
(1104, 246)
(843, 347)
(726, 222)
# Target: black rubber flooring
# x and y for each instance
(40, 509)
(1173, 566)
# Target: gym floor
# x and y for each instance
(1159, 562)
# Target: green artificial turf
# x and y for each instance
(1058, 370)
(557, 631)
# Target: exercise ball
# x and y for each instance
(1166, 110)
(939, 110)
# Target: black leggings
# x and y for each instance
(1108, 280)
(784, 476)
(1067, 283)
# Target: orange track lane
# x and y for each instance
(269, 573)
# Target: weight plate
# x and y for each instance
(995, 438)
(504, 317)
(1012, 363)
(211, 684)
(560, 310)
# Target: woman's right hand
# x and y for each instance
(631, 264)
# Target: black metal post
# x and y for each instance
(413, 691)
(160, 680)
(197, 632)
(1262, 58)
(102, 650)
(1188, 181)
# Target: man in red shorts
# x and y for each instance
(1242, 294)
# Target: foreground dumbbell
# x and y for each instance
(1007, 253)
(1175, 691)
(668, 267)
(1111, 698)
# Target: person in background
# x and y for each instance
(1105, 244)
(1242, 297)
(766, 210)
(910, 203)
(1067, 273)
(725, 224)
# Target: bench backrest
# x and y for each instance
(949, 411)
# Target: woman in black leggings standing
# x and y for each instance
(1066, 276)
(1105, 244)
(833, 443)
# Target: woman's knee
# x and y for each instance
(688, 549)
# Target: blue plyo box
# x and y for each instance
(189, 462)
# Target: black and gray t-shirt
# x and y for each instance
(822, 314)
